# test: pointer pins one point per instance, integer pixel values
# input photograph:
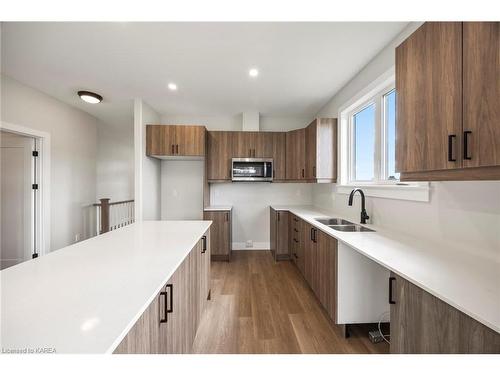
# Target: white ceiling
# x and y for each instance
(301, 65)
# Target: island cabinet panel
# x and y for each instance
(429, 98)
(422, 323)
(219, 154)
(170, 322)
(327, 271)
(481, 80)
(321, 150)
(175, 140)
(221, 234)
(295, 154)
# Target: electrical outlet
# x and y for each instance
(375, 337)
(249, 243)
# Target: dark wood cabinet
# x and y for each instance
(221, 234)
(295, 154)
(296, 240)
(311, 271)
(252, 144)
(429, 98)
(279, 155)
(447, 79)
(422, 323)
(175, 140)
(279, 234)
(321, 150)
(326, 258)
(481, 94)
(170, 322)
(219, 155)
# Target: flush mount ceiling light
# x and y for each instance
(254, 72)
(90, 97)
(172, 86)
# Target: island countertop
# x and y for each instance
(468, 280)
(84, 298)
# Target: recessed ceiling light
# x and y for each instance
(172, 86)
(90, 97)
(253, 72)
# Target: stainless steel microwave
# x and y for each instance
(252, 169)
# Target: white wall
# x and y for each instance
(147, 170)
(73, 155)
(182, 189)
(115, 161)
(464, 213)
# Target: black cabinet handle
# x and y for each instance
(176, 149)
(295, 255)
(391, 300)
(171, 295)
(314, 171)
(295, 230)
(278, 216)
(311, 234)
(165, 310)
(227, 216)
(274, 173)
(466, 145)
(173, 151)
(204, 242)
(450, 147)
(295, 240)
(303, 175)
(315, 231)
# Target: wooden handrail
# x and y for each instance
(104, 214)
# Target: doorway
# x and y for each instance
(19, 174)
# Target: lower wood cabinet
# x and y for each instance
(279, 228)
(221, 235)
(422, 323)
(170, 322)
(296, 242)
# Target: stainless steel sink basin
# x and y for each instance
(334, 221)
(351, 228)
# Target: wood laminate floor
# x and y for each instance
(262, 306)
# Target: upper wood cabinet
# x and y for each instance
(422, 323)
(295, 154)
(279, 155)
(429, 98)
(175, 140)
(219, 154)
(481, 100)
(321, 150)
(447, 79)
(252, 144)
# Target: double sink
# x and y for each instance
(343, 225)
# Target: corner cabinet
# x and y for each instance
(424, 324)
(448, 124)
(175, 140)
(221, 238)
(170, 322)
(279, 228)
(321, 150)
(296, 155)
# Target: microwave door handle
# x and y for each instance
(265, 169)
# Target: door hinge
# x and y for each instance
(34, 186)
(35, 153)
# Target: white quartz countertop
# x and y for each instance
(467, 281)
(218, 208)
(84, 298)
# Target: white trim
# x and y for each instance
(411, 192)
(43, 234)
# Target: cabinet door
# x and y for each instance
(481, 79)
(279, 155)
(160, 140)
(205, 271)
(422, 323)
(310, 257)
(327, 266)
(219, 154)
(282, 249)
(273, 230)
(190, 140)
(429, 98)
(263, 145)
(311, 151)
(220, 234)
(295, 154)
(244, 144)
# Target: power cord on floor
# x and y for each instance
(387, 313)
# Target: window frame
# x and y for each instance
(380, 187)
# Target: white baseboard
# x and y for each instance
(256, 246)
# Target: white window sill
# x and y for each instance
(412, 192)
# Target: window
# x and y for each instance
(372, 139)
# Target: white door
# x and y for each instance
(16, 177)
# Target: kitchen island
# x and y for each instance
(85, 298)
